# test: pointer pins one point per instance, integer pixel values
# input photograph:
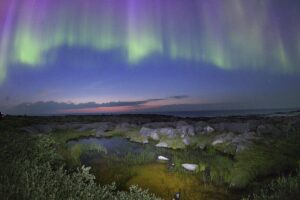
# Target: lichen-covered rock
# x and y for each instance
(146, 131)
(169, 132)
(225, 137)
(186, 130)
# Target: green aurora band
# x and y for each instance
(231, 34)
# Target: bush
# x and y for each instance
(31, 169)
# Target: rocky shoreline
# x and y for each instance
(227, 134)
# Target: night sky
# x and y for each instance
(90, 56)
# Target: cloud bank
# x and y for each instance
(53, 107)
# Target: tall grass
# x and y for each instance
(280, 188)
(263, 159)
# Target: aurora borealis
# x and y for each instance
(185, 38)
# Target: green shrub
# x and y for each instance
(31, 169)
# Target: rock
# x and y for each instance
(146, 131)
(169, 132)
(266, 129)
(145, 141)
(247, 136)
(190, 167)
(186, 130)
(30, 130)
(176, 196)
(202, 146)
(208, 129)
(99, 132)
(44, 128)
(186, 141)
(162, 158)
(101, 128)
(123, 127)
(225, 137)
(218, 141)
(154, 135)
(199, 126)
(162, 144)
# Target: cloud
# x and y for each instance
(53, 107)
(179, 97)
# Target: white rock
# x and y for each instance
(145, 141)
(162, 158)
(186, 141)
(219, 141)
(154, 135)
(209, 129)
(162, 144)
(190, 167)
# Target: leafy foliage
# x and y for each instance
(31, 169)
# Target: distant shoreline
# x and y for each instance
(190, 114)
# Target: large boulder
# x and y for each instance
(101, 128)
(199, 126)
(267, 129)
(154, 135)
(207, 129)
(169, 132)
(223, 138)
(146, 131)
(186, 130)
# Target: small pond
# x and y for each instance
(127, 163)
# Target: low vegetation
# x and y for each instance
(31, 169)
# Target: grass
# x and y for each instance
(174, 143)
(61, 137)
(161, 181)
(279, 188)
(261, 160)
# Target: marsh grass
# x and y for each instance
(62, 136)
(263, 159)
(283, 187)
